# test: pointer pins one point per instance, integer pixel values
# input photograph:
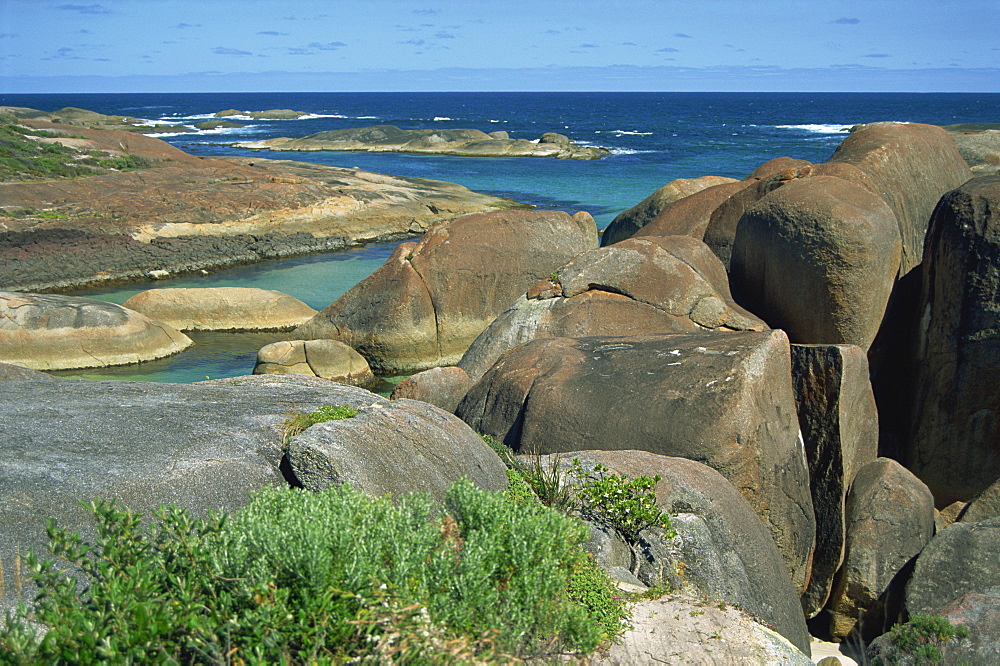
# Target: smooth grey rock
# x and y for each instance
(201, 446)
(395, 447)
(10, 373)
(963, 558)
(721, 551)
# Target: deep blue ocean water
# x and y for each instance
(654, 138)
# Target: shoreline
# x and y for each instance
(229, 252)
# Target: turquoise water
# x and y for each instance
(654, 138)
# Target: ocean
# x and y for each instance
(654, 138)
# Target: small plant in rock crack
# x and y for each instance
(627, 505)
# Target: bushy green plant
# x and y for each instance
(299, 577)
(627, 505)
(922, 635)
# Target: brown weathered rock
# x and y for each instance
(817, 257)
(890, 518)
(443, 387)
(912, 166)
(222, 308)
(955, 438)
(775, 166)
(839, 425)
(627, 223)
(431, 299)
(328, 359)
(48, 332)
(723, 399)
(396, 447)
(692, 215)
(638, 286)
(985, 506)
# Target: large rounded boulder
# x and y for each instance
(723, 399)
(49, 332)
(721, 550)
(955, 436)
(395, 448)
(638, 286)
(818, 257)
(912, 166)
(431, 299)
(627, 223)
(328, 359)
(222, 308)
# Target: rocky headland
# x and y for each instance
(460, 142)
(804, 360)
(149, 209)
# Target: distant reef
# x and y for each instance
(461, 142)
(82, 206)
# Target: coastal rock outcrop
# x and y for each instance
(394, 448)
(48, 332)
(462, 142)
(328, 359)
(955, 437)
(979, 145)
(721, 551)
(15, 373)
(184, 213)
(638, 286)
(431, 299)
(890, 518)
(200, 446)
(222, 308)
(818, 257)
(839, 424)
(723, 399)
(627, 223)
(912, 166)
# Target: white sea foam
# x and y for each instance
(629, 133)
(366, 118)
(818, 128)
(311, 116)
(630, 151)
(436, 118)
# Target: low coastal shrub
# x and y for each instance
(23, 158)
(627, 505)
(299, 421)
(300, 577)
(919, 639)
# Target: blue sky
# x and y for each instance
(397, 45)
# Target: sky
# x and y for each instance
(498, 45)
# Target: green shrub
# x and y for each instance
(296, 423)
(920, 637)
(627, 505)
(299, 577)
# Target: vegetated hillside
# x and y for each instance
(28, 154)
